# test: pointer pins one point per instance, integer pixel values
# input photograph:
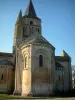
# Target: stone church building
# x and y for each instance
(32, 68)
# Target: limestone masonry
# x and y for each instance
(32, 68)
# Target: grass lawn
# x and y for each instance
(6, 96)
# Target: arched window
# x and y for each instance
(25, 34)
(2, 77)
(31, 30)
(40, 61)
(38, 30)
(59, 78)
(25, 62)
(31, 23)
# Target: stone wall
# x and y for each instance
(59, 77)
(38, 80)
(67, 75)
(42, 77)
(6, 79)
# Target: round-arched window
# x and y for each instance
(2, 76)
(31, 23)
(40, 61)
(38, 30)
(25, 62)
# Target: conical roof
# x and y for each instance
(19, 17)
(30, 11)
(37, 40)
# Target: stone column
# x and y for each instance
(16, 91)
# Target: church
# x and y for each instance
(32, 68)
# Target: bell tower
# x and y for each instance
(26, 25)
(18, 31)
(32, 24)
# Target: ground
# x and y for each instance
(46, 99)
(12, 97)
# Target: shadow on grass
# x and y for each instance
(65, 94)
(57, 94)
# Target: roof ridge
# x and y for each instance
(6, 52)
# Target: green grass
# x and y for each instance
(6, 96)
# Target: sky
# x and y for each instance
(58, 23)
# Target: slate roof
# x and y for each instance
(6, 54)
(38, 40)
(62, 58)
(30, 11)
(6, 62)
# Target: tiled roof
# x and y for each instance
(38, 40)
(6, 62)
(6, 54)
(62, 58)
